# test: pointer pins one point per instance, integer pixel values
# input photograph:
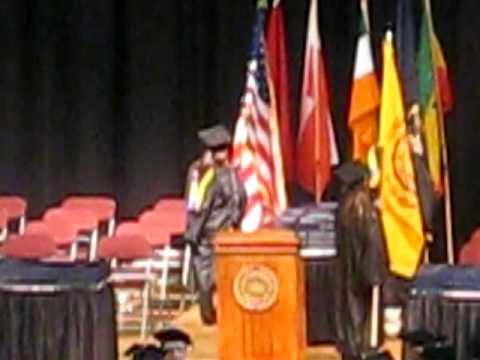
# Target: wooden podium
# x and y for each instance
(261, 301)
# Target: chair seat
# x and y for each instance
(125, 247)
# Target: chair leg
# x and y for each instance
(186, 264)
(146, 303)
(93, 245)
(185, 275)
(163, 289)
(73, 251)
(3, 234)
(111, 227)
(21, 225)
(183, 301)
(145, 310)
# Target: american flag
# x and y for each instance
(256, 147)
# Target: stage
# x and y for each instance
(206, 346)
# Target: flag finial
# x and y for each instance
(262, 4)
(389, 35)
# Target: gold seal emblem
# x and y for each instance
(255, 287)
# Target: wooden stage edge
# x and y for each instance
(205, 339)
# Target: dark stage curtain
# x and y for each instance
(106, 96)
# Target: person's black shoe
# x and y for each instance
(208, 313)
(375, 354)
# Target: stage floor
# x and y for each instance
(205, 347)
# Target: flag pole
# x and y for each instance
(318, 193)
(366, 17)
(318, 185)
(446, 172)
(375, 316)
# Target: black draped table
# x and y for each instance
(320, 300)
(315, 227)
(445, 301)
(56, 311)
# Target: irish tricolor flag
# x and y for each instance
(364, 103)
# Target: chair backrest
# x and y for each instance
(103, 206)
(3, 218)
(171, 204)
(82, 219)
(172, 221)
(62, 232)
(15, 206)
(31, 246)
(124, 247)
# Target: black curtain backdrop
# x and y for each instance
(106, 96)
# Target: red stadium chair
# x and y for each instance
(131, 261)
(103, 206)
(159, 239)
(63, 234)
(16, 208)
(82, 219)
(28, 247)
(165, 257)
(159, 226)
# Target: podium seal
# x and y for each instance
(255, 287)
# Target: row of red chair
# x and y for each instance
(83, 214)
(67, 225)
(138, 249)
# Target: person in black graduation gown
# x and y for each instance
(222, 208)
(361, 260)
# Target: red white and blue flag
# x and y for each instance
(256, 145)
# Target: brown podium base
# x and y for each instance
(260, 287)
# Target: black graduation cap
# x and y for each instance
(215, 137)
(144, 352)
(351, 173)
(170, 336)
(438, 351)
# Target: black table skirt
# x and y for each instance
(73, 325)
(320, 282)
(457, 320)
